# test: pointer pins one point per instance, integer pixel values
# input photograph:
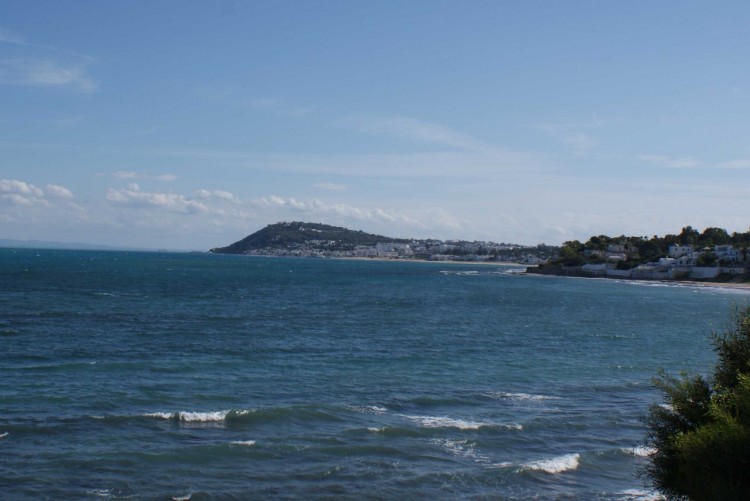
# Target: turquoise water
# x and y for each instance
(158, 376)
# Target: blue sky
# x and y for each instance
(188, 125)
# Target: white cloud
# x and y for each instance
(18, 192)
(317, 208)
(58, 191)
(46, 73)
(132, 196)
(220, 194)
(13, 186)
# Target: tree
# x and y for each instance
(689, 236)
(706, 259)
(570, 253)
(701, 435)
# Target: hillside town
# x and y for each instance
(713, 254)
(430, 250)
(681, 262)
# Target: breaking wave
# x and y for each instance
(198, 417)
(640, 451)
(502, 395)
(446, 422)
(559, 464)
(243, 443)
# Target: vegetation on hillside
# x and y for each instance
(701, 434)
(644, 249)
(288, 235)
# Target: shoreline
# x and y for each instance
(392, 260)
(738, 286)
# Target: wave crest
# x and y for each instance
(559, 464)
(461, 424)
(198, 417)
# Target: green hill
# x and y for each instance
(296, 234)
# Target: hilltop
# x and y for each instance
(322, 240)
(296, 234)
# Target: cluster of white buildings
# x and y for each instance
(682, 262)
(433, 250)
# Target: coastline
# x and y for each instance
(723, 285)
(450, 262)
(737, 286)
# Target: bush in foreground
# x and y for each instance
(701, 434)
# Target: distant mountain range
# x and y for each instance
(295, 234)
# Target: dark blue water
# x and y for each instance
(158, 376)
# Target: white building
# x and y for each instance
(676, 251)
(727, 252)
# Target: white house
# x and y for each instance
(676, 251)
(727, 252)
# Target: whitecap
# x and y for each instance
(376, 430)
(244, 443)
(461, 448)
(502, 395)
(194, 417)
(368, 409)
(461, 424)
(102, 493)
(3, 435)
(202, 417)
(640, 451)
(159, 415)
(558, 464)
(640, 495)
(445, 422)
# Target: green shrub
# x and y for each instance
(701, 434)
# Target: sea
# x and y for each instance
(193, 376)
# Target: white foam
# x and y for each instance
(446, 422)
(202, 417)
(640, 495)
(461, 448)
(186, 497)
(502, 395)
(100, 492)
(640, 451)
(244, 443)
(3, 435)
(368, 409)
(376, 430)
(558, 464)
(194, 417)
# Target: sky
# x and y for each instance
(189, 124)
